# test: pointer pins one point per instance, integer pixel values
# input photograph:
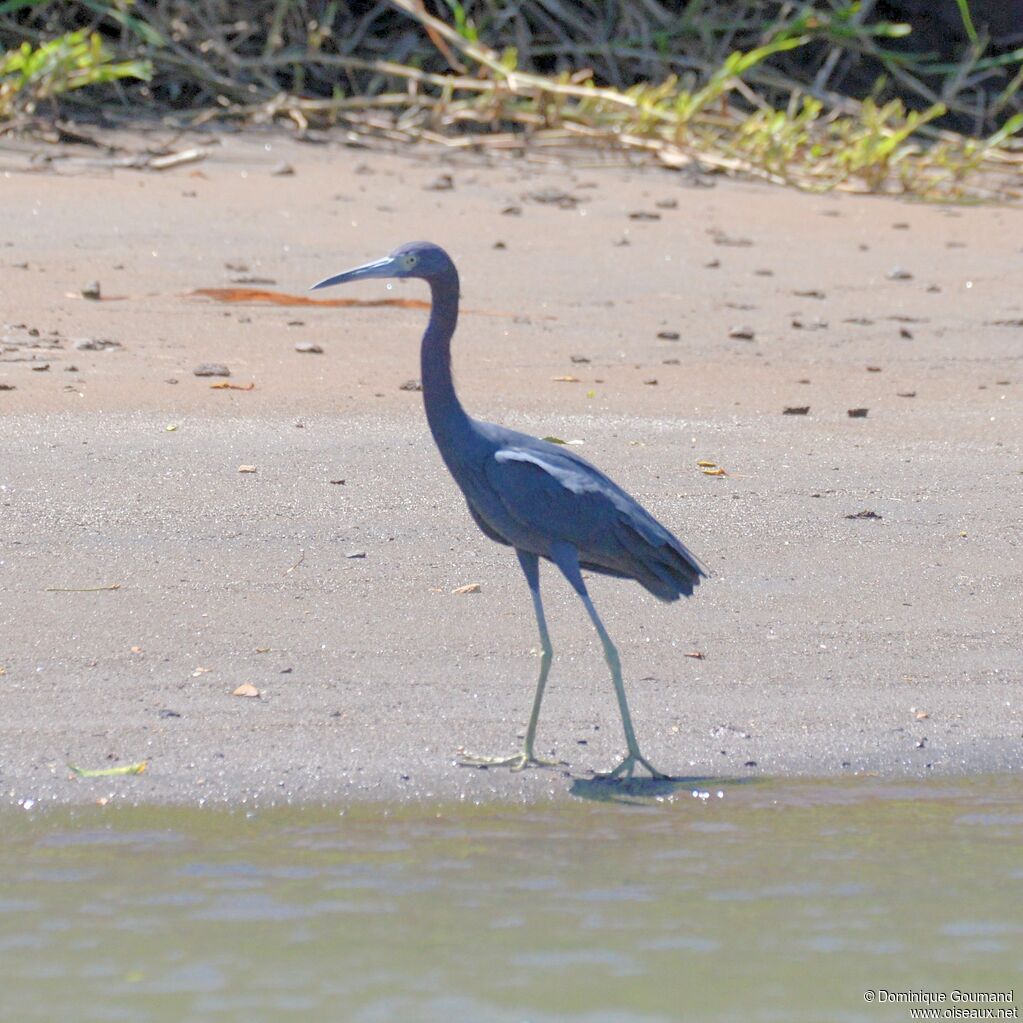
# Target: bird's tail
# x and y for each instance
(664, 566)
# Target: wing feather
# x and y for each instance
(555, 496)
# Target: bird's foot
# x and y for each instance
(516, 762)
(628, 766)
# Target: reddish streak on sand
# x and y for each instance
(282, 298)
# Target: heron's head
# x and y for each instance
(413, 259)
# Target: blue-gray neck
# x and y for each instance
(444, 411)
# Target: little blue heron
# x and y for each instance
(537, 497)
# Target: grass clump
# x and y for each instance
(31, 75)
(757, 87)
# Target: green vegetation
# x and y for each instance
(31, 74)
(757, 87)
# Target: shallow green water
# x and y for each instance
(775, 901)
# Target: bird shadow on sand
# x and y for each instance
(640, 791)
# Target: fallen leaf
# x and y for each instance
(171, 427)
(108, 772)
(795, 410)
(566, 379)
(246, 468)
(707, 465)
(551, 439)
(225, 386)
(696, 655)
(716, 471)
(468, 588)
(201, 671)
(246, 689)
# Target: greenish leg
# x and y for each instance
(567, 560)
(519, 761)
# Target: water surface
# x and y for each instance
(771, 901)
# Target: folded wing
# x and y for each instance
(558, 496)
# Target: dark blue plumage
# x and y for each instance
(538, 497)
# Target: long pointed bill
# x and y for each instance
(380, 268)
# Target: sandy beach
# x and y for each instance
(863, 614)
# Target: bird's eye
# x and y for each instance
(410, 260)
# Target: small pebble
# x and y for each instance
(898, 274)
(95, 344)
(668, 335)
(356, 554)
(742, 333)
(282, 170)
(91, 291)
(442, 183)
(211, 369)
(310, 347)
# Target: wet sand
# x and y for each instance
(830, 644)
